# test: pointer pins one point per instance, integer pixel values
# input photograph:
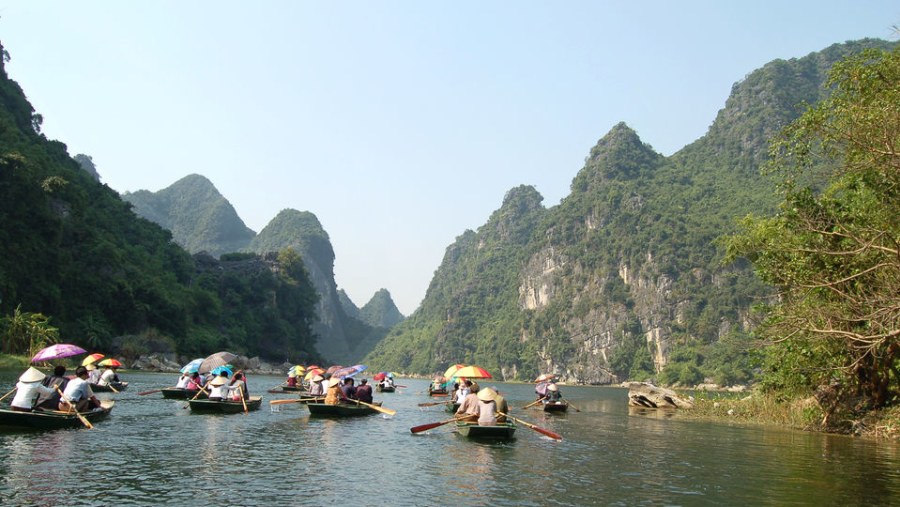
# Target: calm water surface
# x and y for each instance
(153, 451)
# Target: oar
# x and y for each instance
(426, 427)
(433, 403)
(375, 407)
(201, 390)
(300, 400)
(573, 406)
(533, 403)
(543, 431)
(145, 393)
(7, 394)
(241, 392)
(72, 406)
(113, 388)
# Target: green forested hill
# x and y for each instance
(623, 279)
(200, 219)
(72, 250)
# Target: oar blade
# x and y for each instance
(145, 393)
(426, 427)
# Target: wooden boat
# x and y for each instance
(452, 407)
(499, 431)
(51, 419)
(556, 406)
(179, 393)
(341, 409)
(290, 390)
(119, 387)
(437, 392)
(385, 389)
(224, 407)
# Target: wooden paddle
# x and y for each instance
(555, 436)
(573, 406)
(201, 390)
(299, 400)
(72, 407)
(112, 388)
(426, 427)
(433, 403)
(375, 407)
(241, 392)
(145, 393)
(7, 394)
(535, 402)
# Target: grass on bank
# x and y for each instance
(804, 414)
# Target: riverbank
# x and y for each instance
(804, 414)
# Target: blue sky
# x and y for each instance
(399, 124)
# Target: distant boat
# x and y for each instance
(556, 406)
(340, 410)
(118, 386)
(180, 393)
(224, 407)
(51, 419)
(384, 389)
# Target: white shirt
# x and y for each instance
(461, 394)
(77, 390)
(94, 376)
(26, 392)
(183, 381)
(218, 391)
(107, 377)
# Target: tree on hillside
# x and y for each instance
(834, 254)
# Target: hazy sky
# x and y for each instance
(399, 124)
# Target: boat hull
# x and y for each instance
(51, 420)
(381, 389)
(224, 407)
(177, 393)
(556, 406)
(452, 407)
(119, 387)
(340, 410)
(500, 431)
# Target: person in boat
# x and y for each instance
(238, 387)
(195, 382)
(502, 406)
(437, 385)
(58, 379)
(389, 381)
(109, 376)
(183, 381)
(334, 394)
(487, 407)
(78, 393)
(541, 390)
(291, 380)
(553, 393)
(315, 386)
(463, 391)
(218, 388)
(28, 389)
(348, 390)
(454, 391)
(468, 408)
(93, 374)
(364, 391)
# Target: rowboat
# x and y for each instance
(290, 390)
(178, 393)
(119, 386)
(224, 407)
(51, 419)
(556, 406)
(384, 389)
(452, 407)
(341, 409)
(499, 431)
(437, 392)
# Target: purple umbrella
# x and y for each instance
(58, 351)
(349, 371)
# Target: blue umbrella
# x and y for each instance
(192, 367)
(348, 371)
(219, 369)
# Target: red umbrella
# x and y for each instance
(379, 376)
(92, 358)
(57, 351)
(111, 362)
(451, 371)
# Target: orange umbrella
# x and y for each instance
(111, 362)
(451, 371)
(312, 371)
(545, 377)
(472, 372)
(92, 358)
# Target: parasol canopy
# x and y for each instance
(296, 371)
(57, 351)
(472, 372)
(92, 358)
(379, 376)
(451, 371)
(333, 368)
(219, 369)
(111, 362)
(215, 360)
(545, 377)
(313, 371)
(193, 366)
(349, 371)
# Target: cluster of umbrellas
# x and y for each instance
(214, 363)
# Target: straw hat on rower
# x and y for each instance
(32, 375)
(487, 394)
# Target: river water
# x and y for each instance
(153, 451)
